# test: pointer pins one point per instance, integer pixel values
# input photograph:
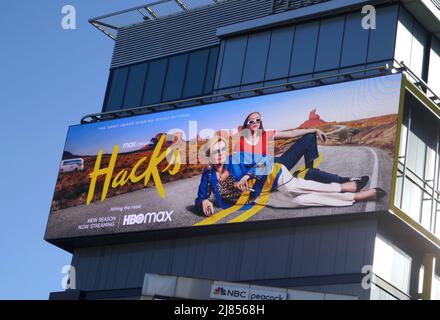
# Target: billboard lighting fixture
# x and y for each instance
(227, 96)
(385, 68)
(318, 81)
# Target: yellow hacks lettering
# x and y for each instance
(126, 175)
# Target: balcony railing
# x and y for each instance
(109, 24)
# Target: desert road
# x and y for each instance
(344, 160)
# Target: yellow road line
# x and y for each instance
(264, 197)
(226, 212)
(302, 174)
(303, 170)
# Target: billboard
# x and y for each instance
(326, 150)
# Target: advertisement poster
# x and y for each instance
(326, 150)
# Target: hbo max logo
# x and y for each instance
(150, 217)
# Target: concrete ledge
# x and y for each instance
(67, 295)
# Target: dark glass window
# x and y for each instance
(117, 88)
(167, 79)
(154, 82)
(279, 53)
(210, 72)
(304, 48)
(382, 39)
(135, 85)
(328, 53)
(175, 78)
(195, 75)
(256, 56)
(355, 45)
(232, 63)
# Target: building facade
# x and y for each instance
(196, 52)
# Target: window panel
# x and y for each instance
(416, 154)
(434, 66)
(210, 72)
(382, 39)
(256, 57)
(404, 132)
(232, 63)
(426, 212)
(279, 53)
(355, 44)
(436, 287)
(392, 264)
(404, 37)
(135, 85)
(175, 77)
(419, 43)
(412, 200)
(399, 185)
(154, 83)
(195, 75)
(117, 89)
(328, 53)
(304, 49)
(430, 166)
(437, 219)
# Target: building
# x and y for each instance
(174, 54)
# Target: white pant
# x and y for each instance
(296, 193)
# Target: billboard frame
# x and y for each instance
(69, 243)
(407, 85)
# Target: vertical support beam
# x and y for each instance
(429, 267)
(434, 186)
(408, 129)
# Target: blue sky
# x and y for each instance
(49, 79)
(339, 102)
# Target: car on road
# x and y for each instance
(70, 165)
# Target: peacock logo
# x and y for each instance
(220, 291)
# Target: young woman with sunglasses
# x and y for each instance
(254, 138)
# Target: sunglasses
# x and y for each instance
(251, 122)
(218, 151)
